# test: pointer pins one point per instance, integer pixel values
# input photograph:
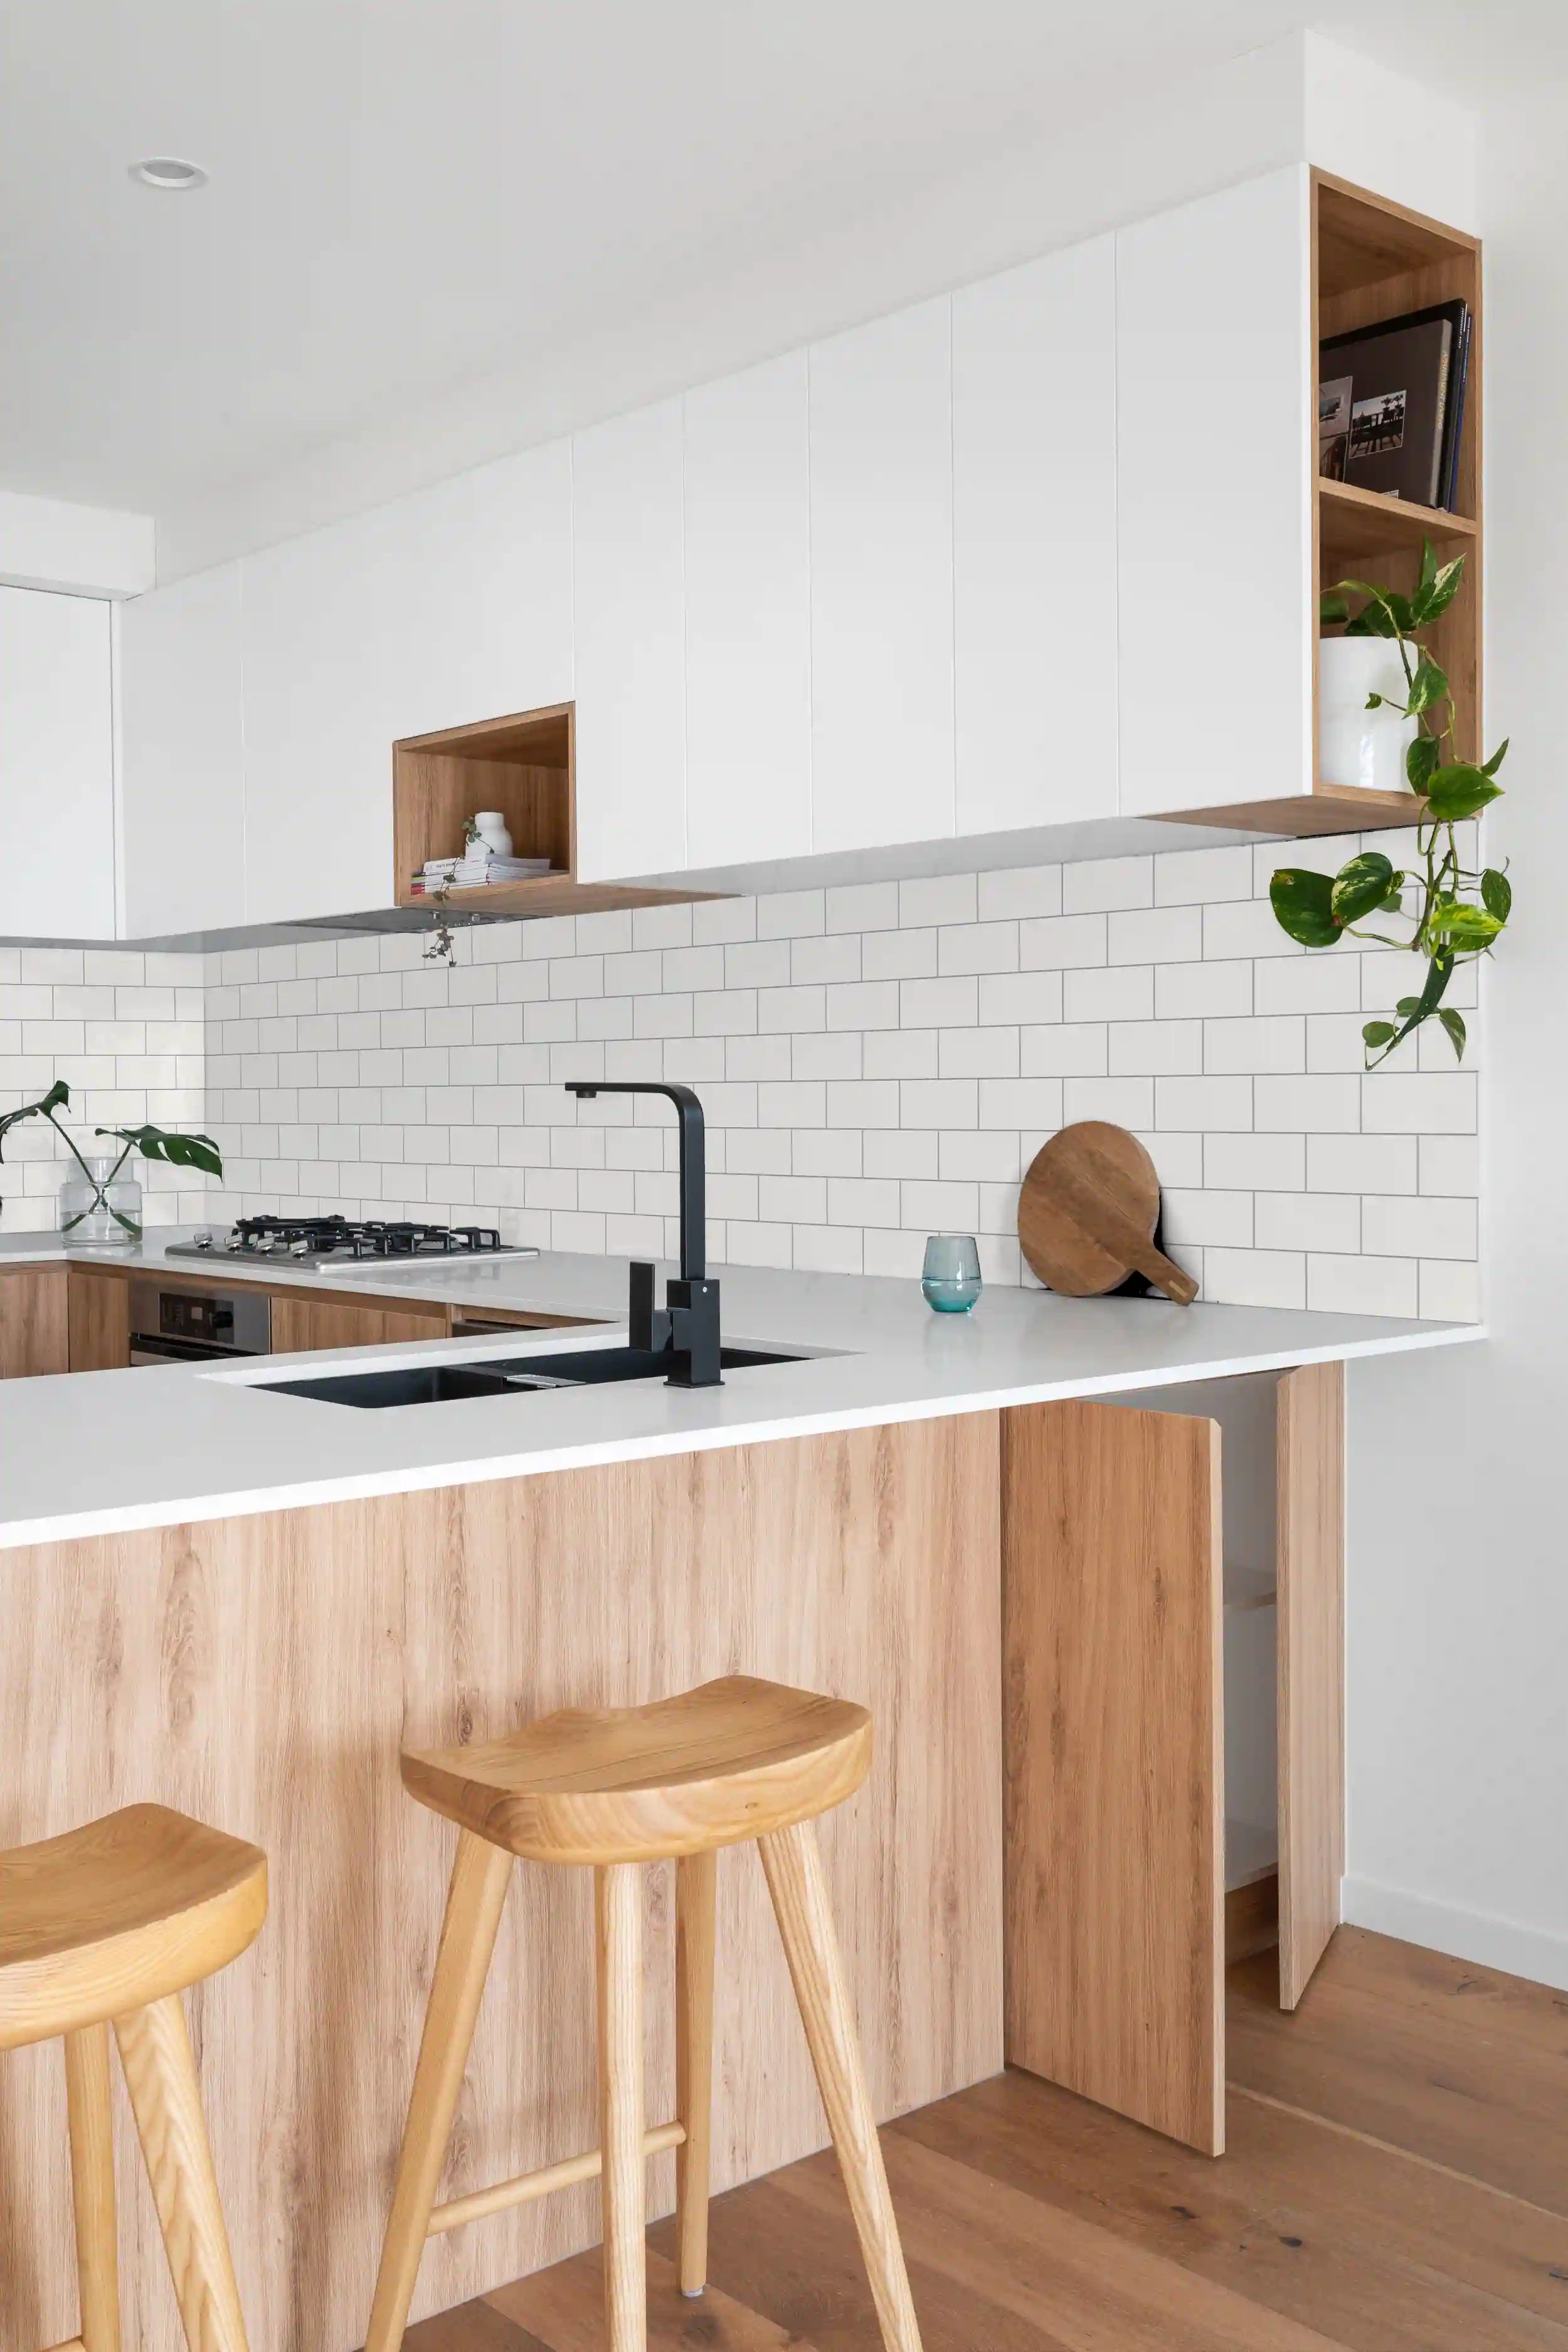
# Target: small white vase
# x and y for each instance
(493, 832)
(1355, 745)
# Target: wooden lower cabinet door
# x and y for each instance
(1310, 1523)
(100, 1305)
(1115, 1781)
(33, 1329)
(299, 1324)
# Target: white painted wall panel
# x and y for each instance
(57, 767)
(1034, 438)
(629, 626)
(748, 616)
(181, 770)
(1214, 479)
(881, 582)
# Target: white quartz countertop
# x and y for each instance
(98, 1453)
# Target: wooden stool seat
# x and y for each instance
(118, 1913)
(730, 1760)
(737, 1759)
(107, 1925)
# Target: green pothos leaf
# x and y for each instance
(1454, 1022)
(1303, 906)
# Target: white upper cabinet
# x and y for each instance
(57, 766)
(628, 603)
(881, 582)
(181, 772)
(1214, 490)
(449, 606)
(748, 617)
(1034, 454)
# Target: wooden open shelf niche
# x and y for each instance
(1373, 259)
(524, 765)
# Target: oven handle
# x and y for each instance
(150, 1347)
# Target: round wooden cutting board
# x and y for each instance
(1087, 1212)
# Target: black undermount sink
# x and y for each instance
(504, 1376)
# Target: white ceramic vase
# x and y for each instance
(492, 831)
(1355, 745)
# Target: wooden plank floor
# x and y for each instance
(1396, 2180)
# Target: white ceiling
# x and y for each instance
(410, 195)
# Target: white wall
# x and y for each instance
(1459, 1497)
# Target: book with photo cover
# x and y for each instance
(1390, 430)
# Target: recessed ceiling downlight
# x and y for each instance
(168, 172)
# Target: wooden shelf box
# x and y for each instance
(524, 765)
(1373, 260)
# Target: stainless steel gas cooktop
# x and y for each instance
(345, 1244)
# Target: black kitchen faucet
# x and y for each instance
(687, 1326)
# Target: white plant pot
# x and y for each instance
(1355, 745)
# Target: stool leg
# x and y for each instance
(617, 1903)
(92, 2186)
(480, 1875)
(696, 1875)
(166, 2099)
(799, 1890)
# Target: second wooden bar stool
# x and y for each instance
(736, 1759)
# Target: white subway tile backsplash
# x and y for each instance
(1450, 1291)
(939, 899)
(1108, 992)
(1099, 883)
(877, 1061)
(1020, 890)
(1420, 1227)
(1188, 992)
(1059, 942)
(1156, 935)
(1363, 1286)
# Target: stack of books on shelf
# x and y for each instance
(475, 872)
(1391, 404)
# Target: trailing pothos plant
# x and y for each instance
(152, 1142)
(1454, 914)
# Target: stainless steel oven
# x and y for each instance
(171, 1324)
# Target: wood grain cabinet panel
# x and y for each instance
(1114, 1772)
(1311, 1536)
(299, 1324)
(33, 1324)
(100, 1314)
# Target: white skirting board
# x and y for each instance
(1492, 1943)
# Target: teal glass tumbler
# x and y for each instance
(951, 1280)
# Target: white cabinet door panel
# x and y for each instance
(57, 766)
(448, 606)
(881, 582)
(318, 720)
(748, 617)
(472, 593)
(181, 779)
(628, 604)
(1034, 434)
(1214, 484)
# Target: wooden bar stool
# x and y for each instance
(107, 1925)
(736, 1759)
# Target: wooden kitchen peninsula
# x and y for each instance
(244, 1604)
